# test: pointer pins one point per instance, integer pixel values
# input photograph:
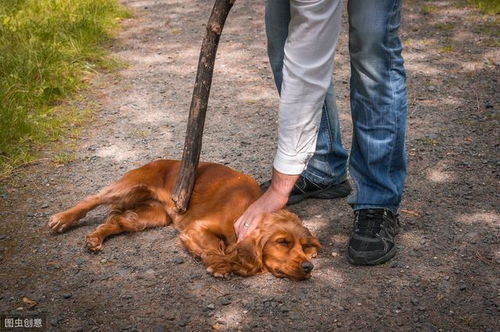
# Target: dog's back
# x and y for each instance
(141, 198)
(217, 189)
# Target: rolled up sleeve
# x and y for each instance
(307, 72)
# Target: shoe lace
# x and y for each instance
(369, 222)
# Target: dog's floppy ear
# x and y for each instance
(248, 256)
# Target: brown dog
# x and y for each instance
(141, 199)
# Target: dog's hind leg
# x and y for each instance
(62, 220)
(145, 215)
(122, 193)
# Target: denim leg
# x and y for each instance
(329, 163)
(277, 19)
(378, 104)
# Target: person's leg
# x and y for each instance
(378, 105)
(329, 163)
(277, 19)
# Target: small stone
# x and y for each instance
(334, 254)
(44, 206)
(179, 260)
(226, 301)
(67, 296)
(211, 306)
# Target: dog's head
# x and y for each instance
(280, 245)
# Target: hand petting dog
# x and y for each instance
(272, 200)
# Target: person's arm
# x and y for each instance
(307, 72)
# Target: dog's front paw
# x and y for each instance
(60, 221)
(221, 270)
(93, 243)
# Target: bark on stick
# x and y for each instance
(201, 92)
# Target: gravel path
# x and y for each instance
(445, 276)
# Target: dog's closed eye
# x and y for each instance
(283, 241)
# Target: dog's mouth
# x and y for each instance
(279, 273)
(293, 276)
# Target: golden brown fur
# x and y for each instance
(141, 199)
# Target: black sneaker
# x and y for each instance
(304, 188)
(372, 240)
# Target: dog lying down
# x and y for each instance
(141, 199)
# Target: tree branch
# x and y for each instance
(201, 92)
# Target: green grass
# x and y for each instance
(47, 48)
(446, 49)
(429, 9)
(64, 157)
(491, 7)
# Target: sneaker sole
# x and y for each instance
(363, 261)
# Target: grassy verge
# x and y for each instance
(47, 47)
(491, 7)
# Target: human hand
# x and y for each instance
(274, 199)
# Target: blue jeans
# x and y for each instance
(377, 162)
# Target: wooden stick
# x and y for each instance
(201, 92)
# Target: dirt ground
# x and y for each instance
(445, 276)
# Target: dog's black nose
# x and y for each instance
(306, 266)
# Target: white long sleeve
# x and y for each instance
(307, 72)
